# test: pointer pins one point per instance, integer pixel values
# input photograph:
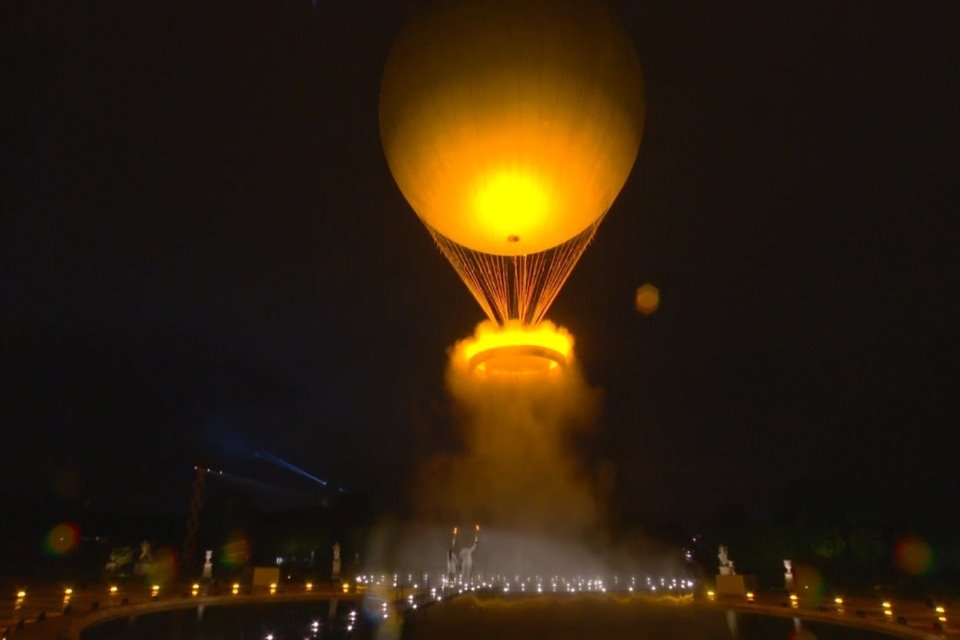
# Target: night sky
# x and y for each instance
(204, 256)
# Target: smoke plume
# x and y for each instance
(518, 475)
(516, 470)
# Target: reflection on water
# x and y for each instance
(799, 633)
(469, 617)
(316, 620)
(570, 618)
(732, 623)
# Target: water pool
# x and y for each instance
(470, 617)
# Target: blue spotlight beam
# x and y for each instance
(283, 464)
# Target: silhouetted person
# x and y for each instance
(452, 559)
(466, 558)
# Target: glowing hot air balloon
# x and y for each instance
(510, 126)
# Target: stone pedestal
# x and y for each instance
(735, 585)
(265, 576)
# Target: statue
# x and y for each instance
(144, 563)
(726, 564)
(335, 574)
(207, 564)
(729, 583)
(120, 562)
(466, 558)
(788, 574)
(452, 569)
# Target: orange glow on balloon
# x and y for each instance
(511, 125)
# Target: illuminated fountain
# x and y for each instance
(510, 127)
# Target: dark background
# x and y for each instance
(205, 257)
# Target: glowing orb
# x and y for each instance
(511, 125)
(647, 299)
(516, 350)
(236, 550)
(164, 567)
(62, 538)
(913, 555)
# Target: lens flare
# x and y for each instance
(913, 555)
(62, 539)
(647, 299)
(163, 569)
(515, 350)
(810, 584)
(236, 550)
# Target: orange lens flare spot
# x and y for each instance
(913, 555)
(516, 349)
(647, 299)
(62, 539)
(236, 550)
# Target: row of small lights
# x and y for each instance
(113, 590)
(888, 611)
(591, 585)
(886, 605)
(673, 583)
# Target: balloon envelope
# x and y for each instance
(510, 126)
